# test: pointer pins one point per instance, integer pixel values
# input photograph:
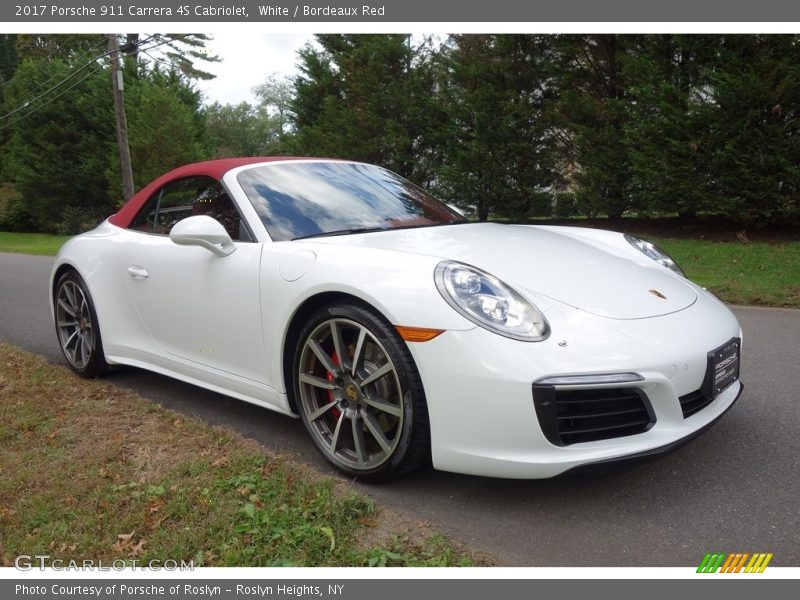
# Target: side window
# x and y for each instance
(186, 198)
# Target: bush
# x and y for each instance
(14, 213)
(8, 194)
(565, 205)
(75, 220)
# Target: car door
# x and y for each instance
(197, 306)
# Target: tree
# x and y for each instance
(246, 130)
(35, 46)
(499, 143)
(234, 130)
(365, 97)
(180, 62)
(595, 110)
(176, 52)
(164, 130)
(668, 134)
(9, 58)
(274, 113)
(755, 90)
(57, 164)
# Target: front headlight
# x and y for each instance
(490, 303)
(650, 250)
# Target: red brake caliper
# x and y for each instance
(329, 376)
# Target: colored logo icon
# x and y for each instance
(739, 562)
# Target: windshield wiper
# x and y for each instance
(341, 232)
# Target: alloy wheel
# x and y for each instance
(74, 324)
(350, 394)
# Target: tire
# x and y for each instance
(77, 328)
(370, 420)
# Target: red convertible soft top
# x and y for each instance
(210, 168)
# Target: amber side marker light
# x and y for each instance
(417, 334)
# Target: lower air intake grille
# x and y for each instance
(574, 416)
(694, 402)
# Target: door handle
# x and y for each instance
(138, 272)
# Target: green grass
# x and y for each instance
(31, 243)
(758, 273)
(91, 471)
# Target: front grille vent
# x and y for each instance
(694, 402)
(575, 416)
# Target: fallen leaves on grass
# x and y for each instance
(126, 546)
(84, 460)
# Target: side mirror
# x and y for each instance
(203, 231)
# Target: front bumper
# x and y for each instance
(478, 386)
(653, 453)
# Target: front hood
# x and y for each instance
(545, 262)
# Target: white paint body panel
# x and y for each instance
(493, 428)
(550, 263)
(221, 323)
(187, 301)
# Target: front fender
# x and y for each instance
(400, 286)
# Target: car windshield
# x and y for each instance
(306, 199)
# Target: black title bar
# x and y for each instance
(386, 11)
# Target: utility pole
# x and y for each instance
(122, 121)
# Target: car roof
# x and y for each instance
(209, 168)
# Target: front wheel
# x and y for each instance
(359, 394)
(76, 326)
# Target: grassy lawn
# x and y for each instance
(31, 243)
(754, 273)
(93, 471)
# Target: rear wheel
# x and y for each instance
(76, 326)
(359, 394)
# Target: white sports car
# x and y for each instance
(399, 332)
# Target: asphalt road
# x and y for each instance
(735, 488)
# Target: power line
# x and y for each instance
(56, 97)
(53, 52)
(27, 103)
(138, 47)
